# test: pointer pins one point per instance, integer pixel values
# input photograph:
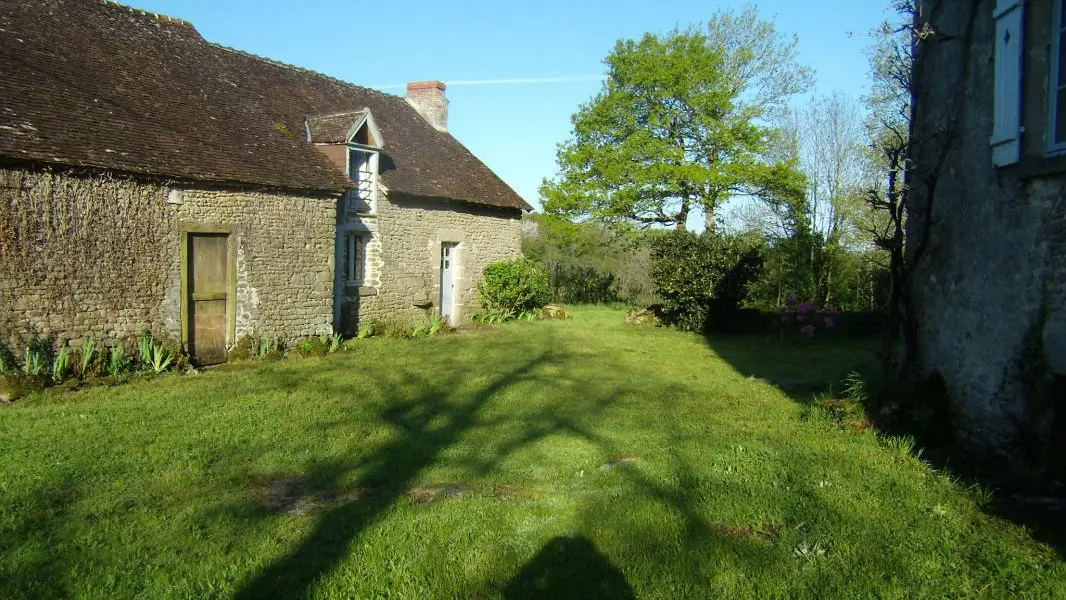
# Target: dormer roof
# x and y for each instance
(343, 128)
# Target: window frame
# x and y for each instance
(354, 195)
(1055, 148)
(355, 244)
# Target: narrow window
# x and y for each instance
(362, 166)
(1057, 105)
(354, 263)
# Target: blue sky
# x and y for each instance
(514, 128)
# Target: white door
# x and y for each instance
(447, 279)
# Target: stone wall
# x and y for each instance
(284, 245)
(989, 244)
(99, 256)
(404, 269)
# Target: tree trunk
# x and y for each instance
(682, 216)
(708, 218)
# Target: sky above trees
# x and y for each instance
(513, 127)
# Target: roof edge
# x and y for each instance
(157, 16)
(153, 176)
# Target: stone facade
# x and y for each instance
(284, 249)
(989, 242)
(403, 271)
(99, 256)
(107, 261)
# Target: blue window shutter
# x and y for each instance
(1007, 105)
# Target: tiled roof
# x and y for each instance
(334, 128)
(96, 84)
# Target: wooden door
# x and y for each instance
(209, 289)
(447, 279)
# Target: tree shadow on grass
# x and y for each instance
(808, 369)
(801, 368)
(38, 536)
(426, 426)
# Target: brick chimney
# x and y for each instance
(428, 99)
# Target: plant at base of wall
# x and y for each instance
(393, 328)
(365, 330)
(119, 362)
(421, 330)
(144, 345)
(430, 327)
(331, 343)
(181, 357)
(313, 347)
(62, 365)
(438, 324)
(85, 361)
(160, 357)
(34, 360)
(244, 348)
(335, 342)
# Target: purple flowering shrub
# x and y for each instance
(809, 316)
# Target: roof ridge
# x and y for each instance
(297, 68)
(338, 114)
(147, 13)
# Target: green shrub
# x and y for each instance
(365, 330)
(514, 287)
(590, 263)
(704, 277)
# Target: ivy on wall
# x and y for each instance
(75, 245)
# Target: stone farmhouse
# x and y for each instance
(987, 220)
(150, 179)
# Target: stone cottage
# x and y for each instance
(151, 179)
(987, 220)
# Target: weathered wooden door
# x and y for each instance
(209, 289)
(447, 279)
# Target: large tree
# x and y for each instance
(681, 125)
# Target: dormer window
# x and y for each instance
(363, 169)
(356, 138)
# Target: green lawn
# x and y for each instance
(583, 458)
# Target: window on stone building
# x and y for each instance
(353, 266)
(1057, 80)
(362, 168)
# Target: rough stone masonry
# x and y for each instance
(98, 256)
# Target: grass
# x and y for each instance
(579, 458)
